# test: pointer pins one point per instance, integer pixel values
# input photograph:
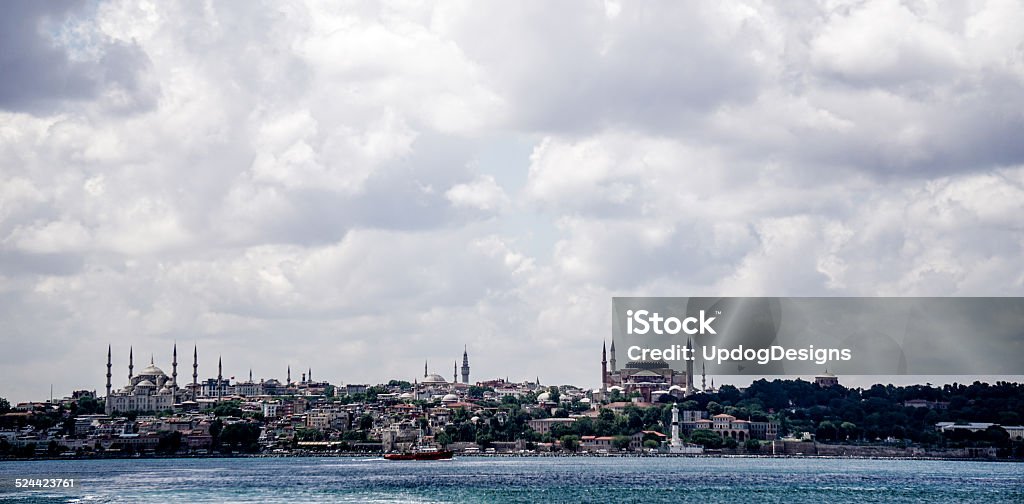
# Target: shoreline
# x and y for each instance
(521, 455)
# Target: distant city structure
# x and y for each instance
(826, 380)
(648, 378)
(153, 390)
(644, 406)
(150, 390)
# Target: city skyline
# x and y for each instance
(229, 378)
(356, 188)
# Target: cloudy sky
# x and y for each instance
(358, 187)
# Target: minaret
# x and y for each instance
(604, 367)
(289, 379)
(309, 375)
(220, 377)
(107, 399)
(174, 374)
(689, 367)
(250, 375)
(614, 368)
(195, 372)
(703, 378)
(455, 373)
(465, 365)
(131, 364)
(424, 369)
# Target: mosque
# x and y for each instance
(649, 378)
(434, 385)
(152, 389)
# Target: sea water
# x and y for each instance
(554, 479)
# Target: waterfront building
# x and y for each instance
(543, 425)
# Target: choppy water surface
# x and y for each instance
(647, 480)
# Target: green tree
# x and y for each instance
(88, 405)
(554, 394)
(826, 431)
(243, 436)
(4, 406)
(227, 408)
(570, 443)
(706, 438)
(621, 442)
(477, 392)
(309, 435)
(443, 439)
(169, 442)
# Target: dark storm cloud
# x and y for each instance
(39, 75)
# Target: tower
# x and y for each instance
(604, 367)
(220, 379)
(703, 378)
(289, 379)
(613, 356)
(195, 372)
(465, 365)
(309, 375)
(455, 373)
(674, 442)
(107, 399)
(250, 375)
(424, 369)
(689, 367)
(131, 364)
(174, 374)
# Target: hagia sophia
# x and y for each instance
(649, 378)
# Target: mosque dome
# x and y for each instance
(405, 395)
(145, 383)
(164, 391)
(647, 364)
(544, 397)
(152, 370)
(450, 398)
(433, 379)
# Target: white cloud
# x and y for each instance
(482, 194)
(332, 184)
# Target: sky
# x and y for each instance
(357, 188)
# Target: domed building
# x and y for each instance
(648, 377)
(150, 390)
(431, 387)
